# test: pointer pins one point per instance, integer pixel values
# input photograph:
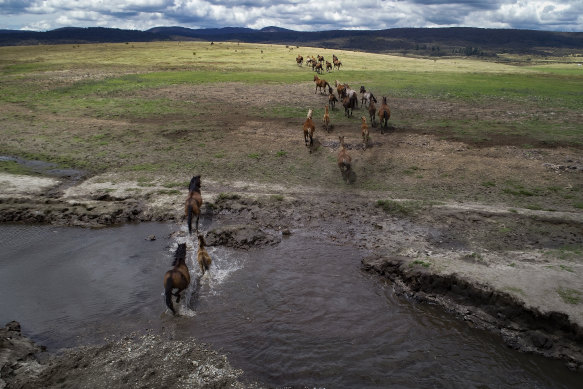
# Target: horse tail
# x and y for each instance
(190, 219)
(373, 98)
(168, 286)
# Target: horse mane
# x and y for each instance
(194, 184)
(180, 254)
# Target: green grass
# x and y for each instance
(403, 208)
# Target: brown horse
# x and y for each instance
(364, 130)
(299, 60)
(309, 129)
(372, 110)
(320, 83)
(203, 257)
(384, 114)
(326, 119)
(193, 202)
(349, 103)
(328, 66)
(176, 278)
(332, 99)
(344, 161)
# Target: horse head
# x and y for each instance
(179, 254)
(194, 184)
(362, 90)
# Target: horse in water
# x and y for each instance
(203, 257)
(193, 202)
(176, 278)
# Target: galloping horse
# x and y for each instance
(309, 129)
(344, 161)
(326, 119)
(366, 97)
(372, 109)
(364, 130)
(203, 257)
(299, 60)
(176, 278)
(320, 83)
(193, 202)
(349, 103)
(384, 114)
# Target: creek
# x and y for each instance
(300, 313)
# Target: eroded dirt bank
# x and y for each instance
(137, 361)
(499, 269)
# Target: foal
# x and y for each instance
(193, 202)
(176, 278)
(203, 257)
(326, 119)
(364, 130)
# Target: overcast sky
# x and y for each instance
(301, 15)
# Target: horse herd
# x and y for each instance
(317, 64)
(349, 100)
(178, 278)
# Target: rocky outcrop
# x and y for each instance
(17, 356)
(241, 237)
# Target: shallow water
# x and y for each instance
(300, 313)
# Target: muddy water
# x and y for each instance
(300, 313)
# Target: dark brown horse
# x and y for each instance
(309, 129)
(193, 202)
(344, 161)
(176, 278)
(349, 103)
(203, 257)
(384, 114)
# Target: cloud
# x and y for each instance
(305, 15)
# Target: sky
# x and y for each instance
(299, 15)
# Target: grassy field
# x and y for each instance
(234, 111)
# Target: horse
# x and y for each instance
(318, 68)
(320, 83)
(337, 64)
(320, 58)
(328, 66)
(384, 114)
(176, 278)
(344, 160)
(309, 129)
(299, 60)
(366, 96)
(372, 112)
(193, 202)
(364, 130)
(203, 257)
(340, 88)
(331, 99)
(326, 119)
(349, 103)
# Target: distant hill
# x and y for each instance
(424, 41)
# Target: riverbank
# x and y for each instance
(136, 361)
(511, 271)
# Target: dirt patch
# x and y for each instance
(135, 361)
